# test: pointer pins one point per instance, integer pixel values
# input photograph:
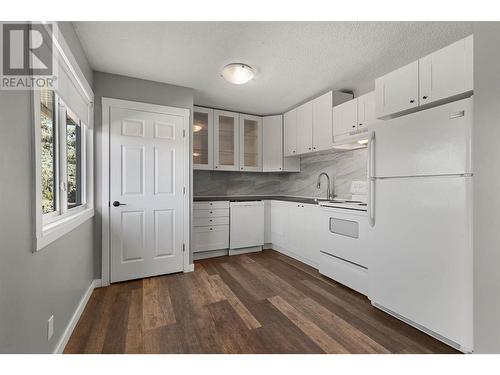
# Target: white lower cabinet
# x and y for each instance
(209, 238)
(210, 226)
(293, 230)
(338, 247)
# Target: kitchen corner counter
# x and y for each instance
(242, 198)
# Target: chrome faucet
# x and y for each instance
(329, 192)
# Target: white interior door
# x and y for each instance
(148, 153)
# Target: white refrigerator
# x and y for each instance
(420, 210)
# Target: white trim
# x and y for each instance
(53, 231)
(59, 349)
(189, 268)
(293, 255)
(47, 231)
(65, 52)
(103, 206)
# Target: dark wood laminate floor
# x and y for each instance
(255, 303)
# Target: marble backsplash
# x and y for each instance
(344, 167)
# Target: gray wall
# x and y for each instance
(69, 34)
(33, 286)
(343, 166)
(134, 89)
(486, 187)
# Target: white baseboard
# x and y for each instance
(245, 250)
(76, 316)
(209, 254)
(293, 255)
(189, 268)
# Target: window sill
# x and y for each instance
(55, 230)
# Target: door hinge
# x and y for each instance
(109, 204)
(183, 247)
(184, 190)
(184, 133)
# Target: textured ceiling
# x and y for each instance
(294, 60)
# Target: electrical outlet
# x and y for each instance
(50, 327)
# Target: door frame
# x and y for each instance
(104, 202)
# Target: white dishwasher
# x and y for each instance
(246, 226)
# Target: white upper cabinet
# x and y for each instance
(250, 143)
(272, 147)
(203, 138)
(322, 122)
(447, 72)
(272, 142)
(397, 91)
(305, 128)
(444, 75)
(345, 118)
(226, 141)
(366, 111)
(290, 133)
(354, 116)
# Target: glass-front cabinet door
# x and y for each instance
(250, 143)
(203, 138)
(226, 142)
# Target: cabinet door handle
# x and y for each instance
(354, 126)
(424, 97)
(412, 100)
(360, 124)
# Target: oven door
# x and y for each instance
(344, 235)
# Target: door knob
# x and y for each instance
(424, 97)
(412, 101)
(116, 204)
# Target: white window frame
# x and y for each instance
(53, 225)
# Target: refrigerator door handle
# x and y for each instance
(371, 179)
(371, 202)
(371, 155)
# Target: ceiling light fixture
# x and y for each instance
(363, 142)
(238, 73)
(197, 128)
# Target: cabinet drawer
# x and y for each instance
(210, 238)
(210, 205)
(207, 221)
(349, 274)
(220, 212)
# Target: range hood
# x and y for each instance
(353, 141)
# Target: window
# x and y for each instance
(73, 161)
(48, 149)
(63, 142)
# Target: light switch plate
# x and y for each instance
(50, 327)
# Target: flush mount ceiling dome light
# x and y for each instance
(238, 73)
